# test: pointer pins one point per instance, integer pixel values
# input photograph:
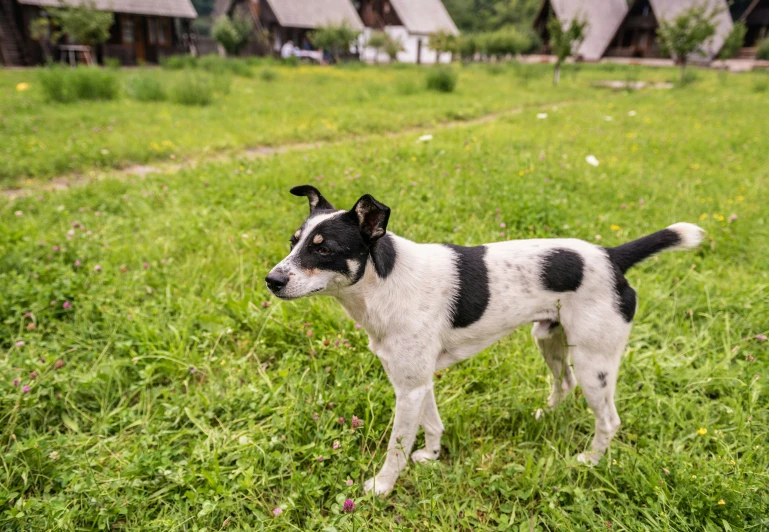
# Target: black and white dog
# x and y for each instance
(428, 306)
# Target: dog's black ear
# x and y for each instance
(317, 201)
(372, 217)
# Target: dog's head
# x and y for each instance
(330, 250)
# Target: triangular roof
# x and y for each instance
(603, 18)
(424, 16)
(158, 8)
(669, 9)
(315, 13)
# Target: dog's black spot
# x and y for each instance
(383, 254)
(473, 294)
(628, 254)
(602, 378)
(626, 300)
(562, 270)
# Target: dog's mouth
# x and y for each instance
(285, 297)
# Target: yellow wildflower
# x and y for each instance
(721, 502)
(702, 431)
(21, 87)
(703, 216)
(614, 227)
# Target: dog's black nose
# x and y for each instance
(276, 281)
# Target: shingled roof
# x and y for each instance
(424, 16)
(669, 9)
(603, 18)
(158, 8)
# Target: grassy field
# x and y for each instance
(160, 387)
(42, 139)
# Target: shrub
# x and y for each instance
(763, 50)
(443, 42)
(222, 65)
(232, 33)
(733, 41)
(63, 85)
(392, 47)
(268, 75)
(565, 41)
(178, 62)
(687, 34)
(113, 63)
(467, 46)
(144, 88)
(194, 89)
(442, 79)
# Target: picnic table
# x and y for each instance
(70, 51)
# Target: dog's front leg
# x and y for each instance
(408, 410)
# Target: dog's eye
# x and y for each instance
(323, 250)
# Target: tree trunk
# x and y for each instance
(557, 73)
(683, 72)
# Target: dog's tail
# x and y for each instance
(677, 236)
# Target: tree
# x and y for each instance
(232, 33)
(83, 23)
(377, 40)
(334, 39)
(564, 42)
(443, 42)
(43, 30)
(687, 34)
(392, 48)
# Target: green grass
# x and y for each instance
(299, 104)
(187, 396)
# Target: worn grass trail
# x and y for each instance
(188, 398)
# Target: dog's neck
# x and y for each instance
(367, 301)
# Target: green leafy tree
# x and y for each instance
(44, 31)
(564, 42)
(334, 38)
(232, 33)
(377, 40)
(82, 23)
(687, 34)
(468, 46)
(443, 42)
(392, 48)
(504, 42)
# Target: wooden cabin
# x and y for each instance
(756, 19)
(637, 33)
(602, 17)
(410, 21)
(292, 20)
(143, 31)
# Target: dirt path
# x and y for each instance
(66, 181)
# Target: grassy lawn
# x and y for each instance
(42, 139)
(169, 391)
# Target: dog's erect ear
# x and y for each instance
(372, 217)
(317, 201)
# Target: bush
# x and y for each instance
(334, 39)
(64, 85)
(194, 89)
(268, 75)
(113, 63)
(179, 62)
(222, 65)
(144, 88)
(763, 50)
(442, 79)
(233, 33)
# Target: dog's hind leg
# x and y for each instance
(551, 342)
(596, 367)
(433, 427)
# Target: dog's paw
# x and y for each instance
(423, 455)
(589, 458)
(381, 485)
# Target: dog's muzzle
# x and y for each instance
(276, 281)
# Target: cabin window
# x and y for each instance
(127, 30)
(158, 29)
